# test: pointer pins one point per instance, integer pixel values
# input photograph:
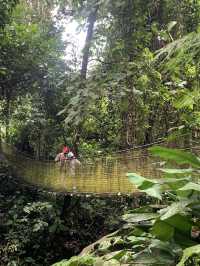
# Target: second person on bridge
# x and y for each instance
(67, 159)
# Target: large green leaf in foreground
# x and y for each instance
(191, 186)
(150, 187)
(176, 155)
(162, 230)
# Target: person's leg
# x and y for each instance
(62, 163)
(72, 167)
(65, 166)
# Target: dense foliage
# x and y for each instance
(40, 228)
(6, 9)
(136, 81)
(156, 237)
(31, 69)
(122, 91)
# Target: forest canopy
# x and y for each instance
(135, 81)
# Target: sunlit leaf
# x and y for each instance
(173, 209)
(178, 156)
(150, 187)
(139, 217)
(176, 171)
(138, 180)
(171, 25)
(154, 191)
(187, 253)
(187, 101)
(191, 186)
(117, 255)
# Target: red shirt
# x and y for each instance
(66, 149)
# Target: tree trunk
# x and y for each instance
(84, 67)
(86, 51)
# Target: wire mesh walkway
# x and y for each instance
(104, 175)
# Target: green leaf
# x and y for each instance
(144, 209)
(136, 240)
(162, 230)
(76, 261)
(118, 240)
(190, 186)
(189, 252)
(171, 25)
(178, 156)
(181, 223)
(186, 101)
(138, 180)
(176, 171)
(154, 191)
(137, 232)
(139, 217)
(117, 255)
(105, 245)
(184, 240)
(176, 183)
(62, 112)
(169, 247)
(112, 262)
(151, 258)
(150, 187)
(173, 209)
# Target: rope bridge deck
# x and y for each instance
(104, 175)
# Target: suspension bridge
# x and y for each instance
(103, 175)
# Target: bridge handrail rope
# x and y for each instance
(105, 155)
(114, 168)
(97, 156)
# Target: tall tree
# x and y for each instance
(90, 30)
